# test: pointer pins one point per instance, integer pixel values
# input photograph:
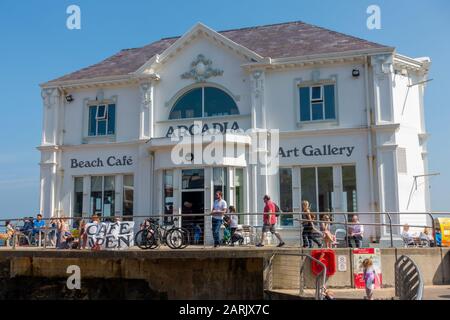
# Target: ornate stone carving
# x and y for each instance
(258, 83)
(146, 94)
(201, 69)
(50, 97)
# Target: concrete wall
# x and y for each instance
(214, 278)
(434, 263)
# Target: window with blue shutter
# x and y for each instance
(305, 104)
(102, 120)
(317, 103)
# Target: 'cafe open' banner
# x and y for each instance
(110, 235)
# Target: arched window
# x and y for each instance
(204, 102)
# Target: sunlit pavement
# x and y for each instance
(430, 293)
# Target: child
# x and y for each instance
(328, 237)
(234, 220)
(369, 277)
(197, 233)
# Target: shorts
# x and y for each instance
(268, 227)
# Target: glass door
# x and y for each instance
(193, 202)
(317, 188)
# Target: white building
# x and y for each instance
(350, 116)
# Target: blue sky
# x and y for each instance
(36, 46)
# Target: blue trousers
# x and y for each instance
(216, 224)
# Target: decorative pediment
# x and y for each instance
(201, 69)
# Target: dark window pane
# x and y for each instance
(286, 196)
(168, 192)
(193, 179)
(349, 188)
(330, 110)
(317, 111)
(218, 103)
(128, 195)
(101, 127)
(305, 101)
(325, 184)
(188, 106)
(308, 185)
(101, 112)
(78, 203)
(111, 119)
(92, 121)
(316, 93)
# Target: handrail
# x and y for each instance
(137, 218)
(321, 278)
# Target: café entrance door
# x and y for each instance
(193, 204)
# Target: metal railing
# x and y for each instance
(409, 284)
(321, 278)
(199, 225)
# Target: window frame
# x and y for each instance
(88, 103)
(173, 101)
(299, 84)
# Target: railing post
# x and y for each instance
(300, 228)
(346, 230)
(432, 227)
(390, 229)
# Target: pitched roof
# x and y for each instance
(291, 39)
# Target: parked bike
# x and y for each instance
(153, 234)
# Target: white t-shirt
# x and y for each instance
(219, 206)
(234, 221)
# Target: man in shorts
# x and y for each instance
(270, 220)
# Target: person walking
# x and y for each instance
(218, 211)
(310, 233)
(270, 220)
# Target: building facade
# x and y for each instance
(341, 119)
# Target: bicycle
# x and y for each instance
(153, 234)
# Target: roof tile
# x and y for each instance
(291, 39)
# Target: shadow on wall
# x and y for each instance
(442, 275)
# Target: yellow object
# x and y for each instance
(445, 231)
(75, 233)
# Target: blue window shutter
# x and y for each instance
(305, 101)
(112, 119)
(92, 121)
(330, 102)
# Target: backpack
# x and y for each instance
(277, 210)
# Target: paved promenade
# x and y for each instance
(430, 293)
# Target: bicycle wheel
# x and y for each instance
(174, 238)
(145, 239)
(186, 238)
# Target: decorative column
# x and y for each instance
(258, 159)
(51, 101)
(257, 80)
(146, 112)
(382, 88)
(49, 152)
(48, 181)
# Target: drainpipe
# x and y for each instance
(369, 135)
